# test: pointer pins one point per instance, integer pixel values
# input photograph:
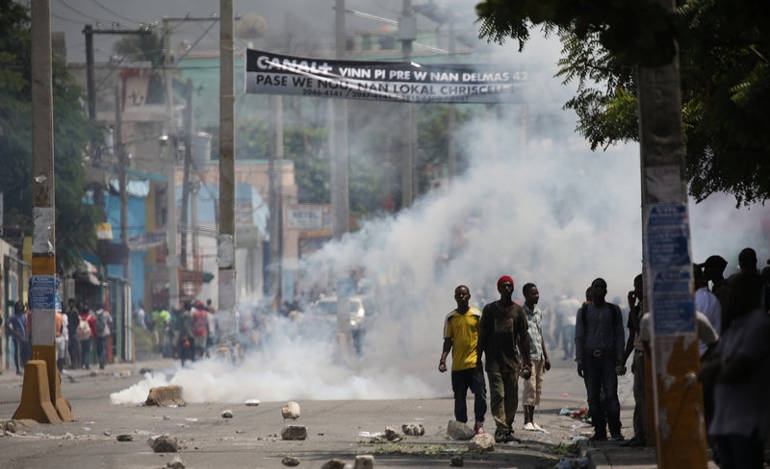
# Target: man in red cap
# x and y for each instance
(503, 329)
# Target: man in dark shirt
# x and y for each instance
(72, 325)
(599, 347)
(634, 346)
(503, 329)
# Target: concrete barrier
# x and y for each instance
(36, 395)
(164, 396)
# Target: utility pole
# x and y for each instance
(276, 199)
(41, 398)
(681, 440)
(407, 32)
(339, 177)
(186, 184)
(226, 238)
(172, 260)
(123, 182)
(339, 154)
(452, 124)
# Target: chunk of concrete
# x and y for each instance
(227, 414)
(334, 464)
(392, 435)
(165, 396)
(364, 461)
(413, 429)
(176, 463)
(290, 461)
(294, 432)
(483, 442)
(290, 410)
(459, 431)
(164, 443)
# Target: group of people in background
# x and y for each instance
(78, 331)
(187, 332)
(732, 325)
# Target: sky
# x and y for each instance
(540, 207)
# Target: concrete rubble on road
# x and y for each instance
(392, 435)
(175, 463)
(483, 442)
(290, 461)
(364, 461)
(294, 432)
(334, 464)
(413, 429)
(290, 410)
(165, 396)
(227, 414)
(164, 443)
(459, 431)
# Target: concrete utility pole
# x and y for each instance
(41, 398)
(407, 33)
(339, 177)
(339, 152)
(452, 124)
(276, 199)
(123, 182)
(681, 440)
(186, 176)
(226, 238)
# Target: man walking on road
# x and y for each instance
(599, 341)
(533, 386)
(461, 335)
(502, 330)
(73, 317)
(634, 345)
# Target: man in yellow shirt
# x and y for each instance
(461, 335)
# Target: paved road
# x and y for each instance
(252, 437)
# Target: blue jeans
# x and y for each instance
(602, 389)
(85, 352)
(101, 350)
(462, 380)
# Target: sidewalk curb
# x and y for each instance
(597, 459)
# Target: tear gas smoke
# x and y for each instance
(535, 204)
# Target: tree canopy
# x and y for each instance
(75, 221)
(724, 48)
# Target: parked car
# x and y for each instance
(325, 309)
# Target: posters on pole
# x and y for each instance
(269, 73)
(42, 297)
(670, 269)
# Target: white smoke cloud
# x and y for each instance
(536, 205)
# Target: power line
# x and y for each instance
(62, 18)
(84, 15)
(115, 13)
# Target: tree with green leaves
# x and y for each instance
(75, 220)
(724, 50)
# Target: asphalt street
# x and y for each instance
(251, 438)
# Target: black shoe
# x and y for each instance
(617, 437)
(510, 438)
(634, 443)
(500, 436)
(598, 437)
